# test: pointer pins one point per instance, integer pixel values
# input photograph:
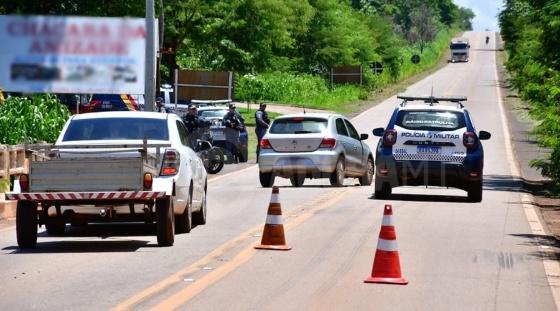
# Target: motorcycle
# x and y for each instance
(212, 157)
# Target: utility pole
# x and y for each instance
(149, 89)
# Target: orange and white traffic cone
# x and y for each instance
(273, 233)
(386, 264)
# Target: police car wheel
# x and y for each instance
(384, 192)
(475, 191)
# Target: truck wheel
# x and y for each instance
(164, 213)
(183, 223)
(367, 178)
(385, 191)
(199, 217)
(475, 191)
(337, 177)
(26, 224)
(266, 179)
(55, 228)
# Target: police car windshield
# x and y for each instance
(430, 120)
(116, 129)
(298, 125)
(210, 114)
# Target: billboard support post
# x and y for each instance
(149, 92)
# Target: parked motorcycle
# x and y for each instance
(212, 157)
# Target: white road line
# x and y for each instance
(551, 267)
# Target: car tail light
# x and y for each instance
(328, 142)
(148, 181)
(469, 140)
(389, 137)
(24, 182)
(171, 163)
(265, 144)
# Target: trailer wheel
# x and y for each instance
(26, 224)
(165, 222)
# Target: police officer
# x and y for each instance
(234, 122)
(160, 106)
(263, 122)
(193, 124)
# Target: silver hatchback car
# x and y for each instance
(314, 145)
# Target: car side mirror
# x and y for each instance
(483, 135)
(364, 136)
(378, 131)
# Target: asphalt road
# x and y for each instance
(456, 255)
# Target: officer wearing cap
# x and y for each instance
(262, 123)
(234, 122)
(194, 123)
(160, 107)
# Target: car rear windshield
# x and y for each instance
(431, 120)
(116, 129)
(298, 125)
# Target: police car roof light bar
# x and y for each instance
(433, 99)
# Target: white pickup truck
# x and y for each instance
(114, 167)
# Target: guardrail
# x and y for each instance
(14, 159)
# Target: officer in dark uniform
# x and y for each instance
(234, 123)
(194, 124)
(263, 122)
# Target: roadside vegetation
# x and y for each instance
(531, 30)
(39, 118)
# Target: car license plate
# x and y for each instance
(428, 150)
(218, 135)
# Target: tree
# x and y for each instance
(423, 27)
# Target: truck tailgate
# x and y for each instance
(89, 174)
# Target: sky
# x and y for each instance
(486, 12)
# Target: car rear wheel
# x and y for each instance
(164, 213)
(367, 178)
(475, 191)
(183, 223)
(199, 217)
(384, 192)
(337, 177)
(297, 180)
(266, 179)
(26, 224)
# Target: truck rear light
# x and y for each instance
(473, 174)
(24, 182)
(469, 140)
(383, 170)
(328, 142)
(265, 144)
(171, 163)
(148, 181)
(389, 137)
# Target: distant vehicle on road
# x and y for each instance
(115, 167)
(314, 145)
(112, 102)
(430, 143)
(459, 49)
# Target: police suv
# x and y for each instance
(430, 141)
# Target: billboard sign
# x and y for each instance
(82, 55)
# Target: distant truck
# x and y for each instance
(459, 49)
